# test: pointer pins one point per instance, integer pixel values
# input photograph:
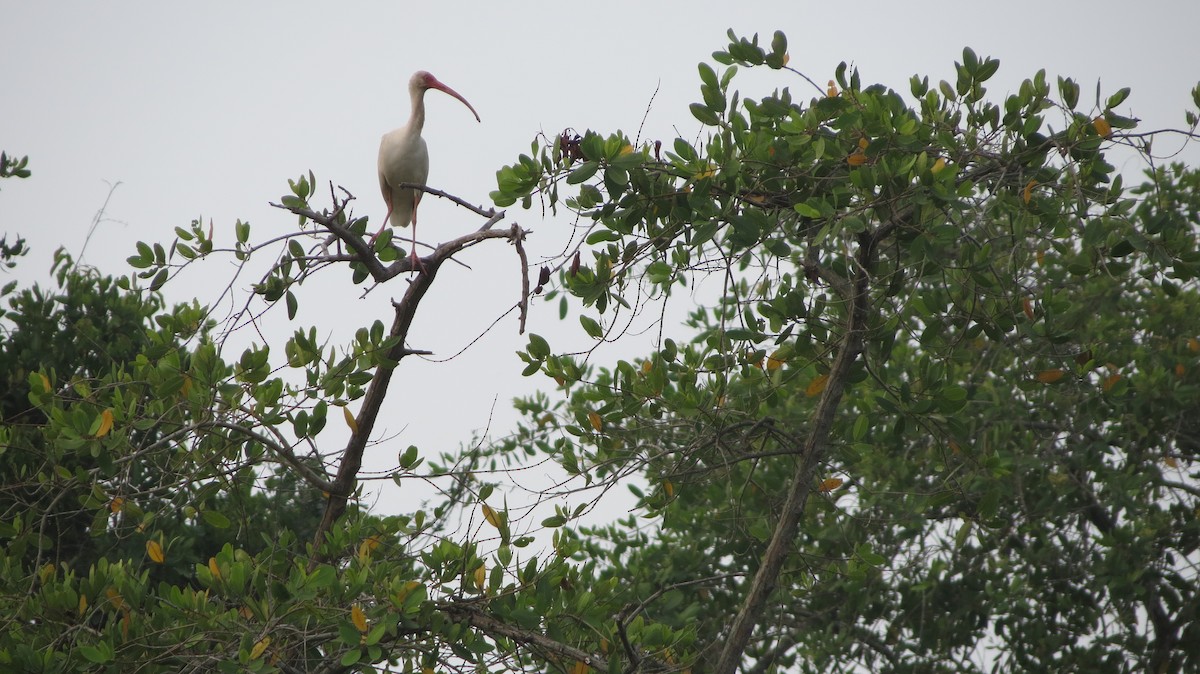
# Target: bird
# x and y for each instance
(404, 158)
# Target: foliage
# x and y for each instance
(937, 417)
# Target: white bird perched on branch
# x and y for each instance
(404, 158)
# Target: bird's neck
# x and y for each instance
(416, 120)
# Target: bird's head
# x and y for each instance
(422, 80)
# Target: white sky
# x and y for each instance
(206, 109)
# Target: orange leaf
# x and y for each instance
(154, 551)
(595, 420)
(1111, 381)
(82, 603)
(489, 514)
(829, 484)
(350, 421)
(856, 159)
(1027, 305)
(816, 385)
(832, 90)
(863, 143)
(117, 504)
(213, 568)
(1027, 193)
(580, 667)
(358, 618)
(1171, 462)
(1180, 369)
(1041, 257)
(106, 423)
(1102, 127)
(1050, 376)
(115, 598)
(257, 651)
(1194, 345)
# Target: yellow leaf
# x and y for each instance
(1027, 306)
(45, 382)
(115, 598)
(1194, 345)
(595, 420)
(786, 58)
(480, 576)
(816, 385)
(427, 670)
(938, 165)
(1102, 127)
(580, 667)
(647, 366)
(106, 423)
(364, 551)
(706, 172)
(1111, 381)
(117, 504)
(1171, 462)
(829, 484)
(350, 419)
(775, 360)
(406, 590)
(669, 488)
(126, 621)
(46, 573)
(358, 618)
(863, 143)
(154, 551)
(1041, 257)
(82, 603)
(257, 651)
(1050, 376)
(627, 149)
(490, 514)
(213, 568)
(832, 90)
(187, 386)
(856, 159)
(604, 645)
(1027, 193)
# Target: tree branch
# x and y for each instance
(815, 447)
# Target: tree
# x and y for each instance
(938, 418)
(934, 420)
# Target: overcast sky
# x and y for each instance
(206, 109)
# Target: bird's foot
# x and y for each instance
(416, 264)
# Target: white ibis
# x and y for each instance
(404, 158)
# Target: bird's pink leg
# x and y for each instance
(416, 261)
(386, 218)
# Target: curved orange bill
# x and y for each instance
(435, 83)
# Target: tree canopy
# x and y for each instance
(941, 414)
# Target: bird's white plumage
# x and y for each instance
(404, 157)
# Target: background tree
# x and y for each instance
(937, 417)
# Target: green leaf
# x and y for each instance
(706, 116)
(591, 327)
(215, 518)
(583, 172)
